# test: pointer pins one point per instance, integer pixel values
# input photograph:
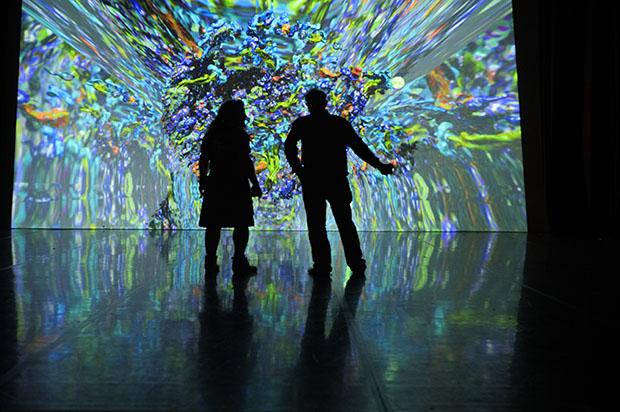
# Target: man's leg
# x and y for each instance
(341, 208)
(315, 205)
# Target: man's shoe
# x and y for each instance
(241, 265)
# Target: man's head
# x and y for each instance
(316, 100)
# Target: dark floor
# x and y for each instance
(124, 320)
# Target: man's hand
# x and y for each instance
(256, 191)
(386, 169)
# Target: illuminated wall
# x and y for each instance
(114, 97)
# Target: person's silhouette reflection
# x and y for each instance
(226, 170)
(226, 346)
(323, 359)
(322, 171)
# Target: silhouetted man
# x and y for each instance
(323, 363)
(323, 175)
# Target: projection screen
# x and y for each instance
(115, 96)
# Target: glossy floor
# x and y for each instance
(126, 320)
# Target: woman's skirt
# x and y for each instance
(227, 203)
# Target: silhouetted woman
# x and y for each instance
(226, 170)
(228, 351)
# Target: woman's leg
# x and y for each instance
(241, 235)
(212, 240)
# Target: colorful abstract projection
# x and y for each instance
(114, 98)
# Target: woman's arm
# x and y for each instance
(251, 172)
(203, 165)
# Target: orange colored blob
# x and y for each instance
(440, 86)
(262, 165)
(325, 72)
(438, 83)
(491, 76)
(347, 110)
(56, 117)
(176, 27)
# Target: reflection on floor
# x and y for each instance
(127, 320)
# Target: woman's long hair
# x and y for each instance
(230, 114)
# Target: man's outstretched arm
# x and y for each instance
(290, 149)
(363, 151)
